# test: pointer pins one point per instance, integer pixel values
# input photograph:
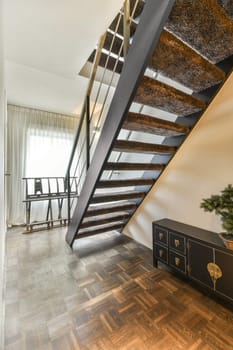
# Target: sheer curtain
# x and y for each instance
(39, 145)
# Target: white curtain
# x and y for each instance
(39, 145)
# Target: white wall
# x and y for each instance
(202, 166)
(48, 42)
(2, 216)
(56, 36)
(30, 87)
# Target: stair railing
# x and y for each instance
(151, 24)
(95, 107)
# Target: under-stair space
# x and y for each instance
(180, 54)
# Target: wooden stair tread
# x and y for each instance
(101, 209)
(203, 25)
(105, 209)
(116, 196)
(142, 147)
(102, 221)
(113, 44)
(133, 166)
(148, 124)
(156, 94)
(87, 232)
(179, 62)
(110, 64)
(124, 183)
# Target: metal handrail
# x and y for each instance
(106, 64)
(89, 88)
(127, 20)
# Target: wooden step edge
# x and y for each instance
(89, 233)
(97, 222)
(179, 62)
(124, 183)
(204, 26)
(105, 210)
(112, 197)
(145, 123)
(157, 94)
(142, 147)
(119, 166)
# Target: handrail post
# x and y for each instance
(126, 26)
(88, 131)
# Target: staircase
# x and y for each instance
(180, 55)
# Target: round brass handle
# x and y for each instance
(214, 271)
(177, 261)
(177, 243)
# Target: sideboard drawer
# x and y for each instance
(177, 261)
(161, 235)
(161, 253)
(177, 242)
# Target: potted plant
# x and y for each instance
(222, 205)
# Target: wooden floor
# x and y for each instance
(103, 296)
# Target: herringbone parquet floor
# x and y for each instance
(105, 295)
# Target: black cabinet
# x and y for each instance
(224, 285)
(199, 255)
(195, 253)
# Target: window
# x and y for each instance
(47, 155)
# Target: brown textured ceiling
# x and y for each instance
(205, 26)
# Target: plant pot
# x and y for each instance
(227, 240)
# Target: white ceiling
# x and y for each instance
(47, 43)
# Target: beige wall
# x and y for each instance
(2, 216)
(203, 166)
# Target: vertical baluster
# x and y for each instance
(88, 131)
(126, 27)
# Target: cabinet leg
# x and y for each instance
(155, 262)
